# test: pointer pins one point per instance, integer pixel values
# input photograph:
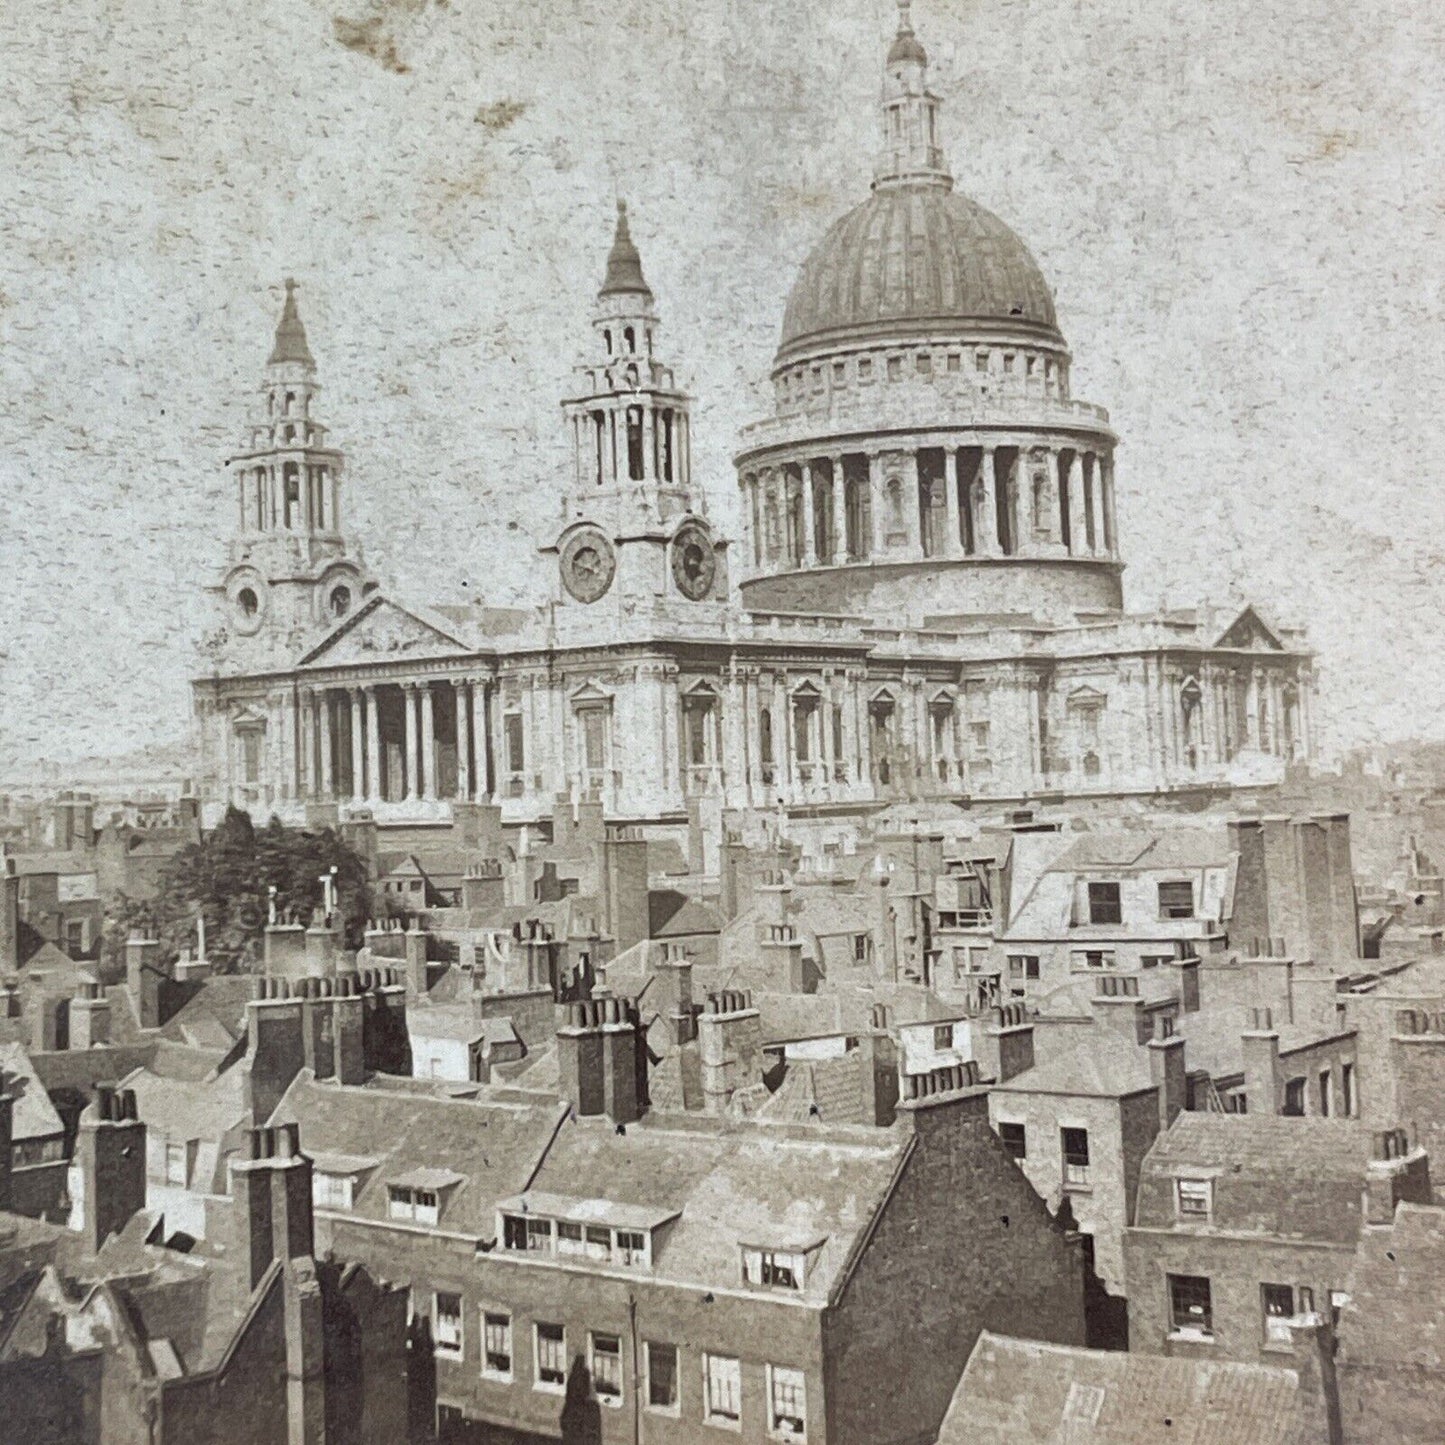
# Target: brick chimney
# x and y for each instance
(418, 983)
(484, 890)
(878, 1063)
(1312, 1338)
(275, 1047)
(110, 1150)
(144, 979)
(943, 1099)
(671, 994)
(773, 900)
(271, 1192)
(602, 1061)
(305, 1328)
(1010, 1037)
(1168, 1072)
(50, 1026)
(1395, 1174)
(730, 1041)
(624, 886)
(782, 958)
(1116, 1004)
(89, 1016)
(1262, 1087)
(9, 916)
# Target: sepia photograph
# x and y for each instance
(722, 721)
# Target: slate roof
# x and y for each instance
(1024, 1392)
(35, 1116)
(1097, 1061)
(492, 1142)
(828, 1091)
(730, 1183)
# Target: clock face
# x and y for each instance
(693, 564)
(588, 565)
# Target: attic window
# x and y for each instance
(417, 1206)
(773, 1268)
(331, 1191)
(1194, 1198)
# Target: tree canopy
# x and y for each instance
(227, 879)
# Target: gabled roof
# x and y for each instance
(383, 630)
(1097, 1062)
(1025, 1392)
(35, 1116)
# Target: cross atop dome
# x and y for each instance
(290, 342)
(911, 152)
(624, 263)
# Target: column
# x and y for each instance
(1111, 521)
(1251, 703)
(1078, 537)
(863, 723)
(1023, 512)
(810, 551)
(953, 541)
(650, 470)
(428, 743)
(375, 763)
(464, 769)
(306, 742)
(877, 506)
(480, 704)
(328, 759)
(1101, 534)
(358, 757)
(987, 530)
(840, 511)
(408, 698)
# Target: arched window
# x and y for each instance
(599, 429)
(291, 478)
(765, 743)
(260, 499)
(289, 404)
(629, 338)
(340, 601)
(607, 340)
(665, 431)
(634, 443)
(248, 602)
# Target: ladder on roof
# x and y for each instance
(1213, 1104)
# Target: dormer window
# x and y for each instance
(331, 1191)
(773, 1268)
(1194, 1199)
(580, 1230)
(415, 1206)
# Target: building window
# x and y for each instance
(773, 1268)
(1347, 1090)
(1176, 900)
(340, 601)
(1023, 968)
(176, 1164)
(551, 1361)
(722, 1390)
(1294, 1098)
(787, 1403)
(1282, 1303)
(1075, 1145)
(943, 1036)
(661, 1376)
(1094, 958)
(447, 1325)
(331, 1191)
(1190, 1312)
(1325, 1092)
(496, 1344)
(631, 1247)
(419, 1206)
(1155, 960)
(605, 1362)
(865, 369)
(980, 361)
(1104, 904)
(1014, 1138)
(1194, 1198)
(895, 368)
(516, 756)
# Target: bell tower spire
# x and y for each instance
(912, 152)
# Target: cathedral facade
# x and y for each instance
(926, 601)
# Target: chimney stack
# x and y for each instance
(1262, 1089)
(7, 1139)
(1319, 1396)
(672, 994)
(111, 1150)
(484, 891)
(1167, 1070)
(624, 886)
(602, 1060)
(271, 1189)
(89, 1017)
(144, 979)
(418, 983)
(730, 1042)
(1397, 1173)
(1011, 1037)
(9, 916)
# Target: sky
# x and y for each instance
(1240, 207)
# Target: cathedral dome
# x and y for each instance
(918, 258)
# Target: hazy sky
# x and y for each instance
(1240, 206)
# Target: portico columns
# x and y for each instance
(328, 760)
(486, 784)
(464, 772)
(840, 511)
(306, 726)
(877, 506)
(358, 769)
(1023, 510)
(428, 743)
(953, 541)
(375, 763)
(408, 697)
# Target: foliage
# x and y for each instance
(227, 879)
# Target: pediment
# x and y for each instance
(1250, 633)
(1086, 696)
(382, 631)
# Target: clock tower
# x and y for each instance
(290, 573)
(634, 533)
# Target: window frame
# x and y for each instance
(1170, 912)
(611, 1401)
(710, 1414)
(538, 1383)
(780, 1269)
(1300, 1301)
(1077, 1173)
(1018, 1147)
(799, 1381)
(674, 1406)
(1176, 1286)
(1095, 902)
(451, 1350)
(1195, 1189)
(488, 1314)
